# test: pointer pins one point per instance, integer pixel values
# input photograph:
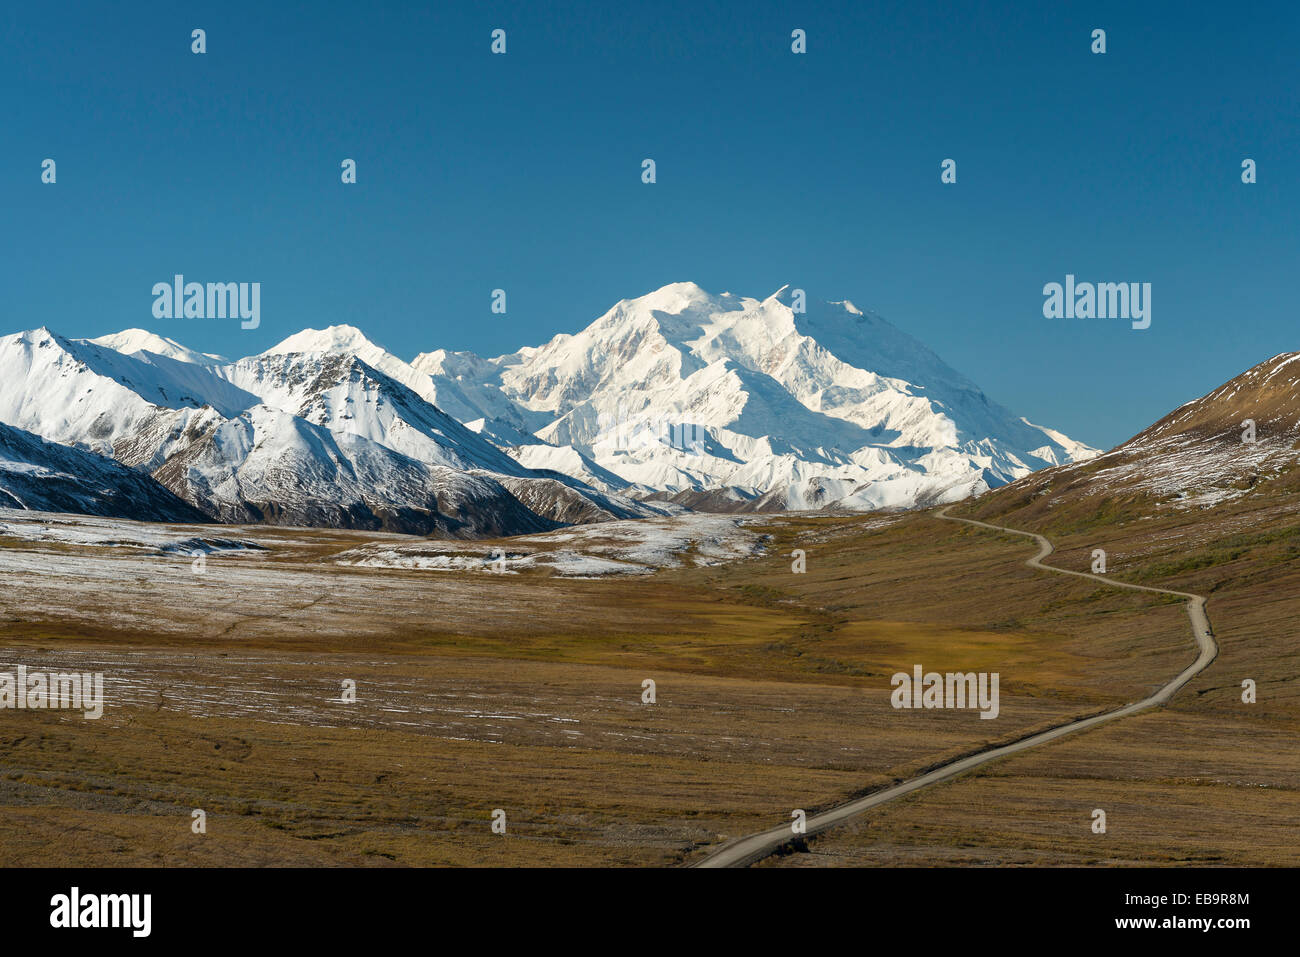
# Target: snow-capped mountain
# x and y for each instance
(266, 465)
(346, 383)
(48, 477)
(341, 392)
(680, 392)
(135, 408)
(676, 398)
(287, 438)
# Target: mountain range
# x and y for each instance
(679, 398)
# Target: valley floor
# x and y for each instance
(522, 691)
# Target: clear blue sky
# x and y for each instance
(523, 172)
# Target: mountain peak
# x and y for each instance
(130, 341)
(1267, 393)
(685, 287)
(340, 338)
(676, 297)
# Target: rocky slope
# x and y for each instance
(47, 477)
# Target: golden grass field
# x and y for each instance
(477, 692)
(1208, 780)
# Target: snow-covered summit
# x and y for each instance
(130, 341)
(815, 402)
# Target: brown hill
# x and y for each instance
(1198, 456)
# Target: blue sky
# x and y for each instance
(820, 170)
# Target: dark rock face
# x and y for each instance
(44, 476)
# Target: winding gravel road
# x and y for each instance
(746, 850)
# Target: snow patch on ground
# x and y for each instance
(88, 530)
(1186, 472)
(635, 547)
